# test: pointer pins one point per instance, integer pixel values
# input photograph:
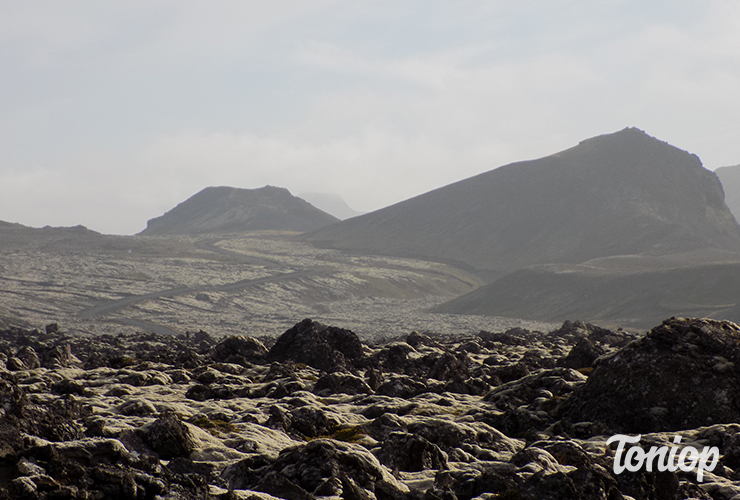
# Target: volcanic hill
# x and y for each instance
(617, 194)
(230, 210)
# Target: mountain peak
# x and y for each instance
(225, 209)
(615, 194)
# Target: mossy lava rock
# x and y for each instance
(683, 374)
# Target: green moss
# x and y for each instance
(349, 434)
(215, 427)
(346, 434)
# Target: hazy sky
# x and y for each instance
(113, 112)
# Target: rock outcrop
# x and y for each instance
(420, 418)
(327, 348)
(683, 374)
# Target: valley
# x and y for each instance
(257, 284)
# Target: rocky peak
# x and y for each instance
(225, 209)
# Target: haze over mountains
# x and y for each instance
(330, 203)
(230, 210)
(730, 177)
(623, 229)
(617, 194)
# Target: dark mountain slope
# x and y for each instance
(622, 193)
(637, 298)
(229, 210)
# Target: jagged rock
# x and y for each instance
(476, 438)
(68, 386)
(92, 431)
(449, 366)
(168, 437)
(137, 407)
(513, 336)
(312, 422)
(238, 349)
(57, 356)
(583, 354)
(410, 453)
(509, 372)
(403, 386)
(545, 383)
(310, 465)
(327, 348)
(682, 374)
(416, 340)
(334, 383)
(394, 357)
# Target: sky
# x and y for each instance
(111, 113)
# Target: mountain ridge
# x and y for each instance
(614, 194)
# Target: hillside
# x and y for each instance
(730, 177)
(616, 194)
(632, 292)
(232, 210)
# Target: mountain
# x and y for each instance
(616, 194)
(730, 177)
(331, 203)
(228, 210)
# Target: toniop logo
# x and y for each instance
(688, 459)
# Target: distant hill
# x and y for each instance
(330, 203)
(616, 194)
(730, 177)
(14, 236)
(228, 210)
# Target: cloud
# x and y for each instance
(119, 112)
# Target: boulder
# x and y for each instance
(303, 471)
(683, 374)
(407, 452)
(237, 349)
(583, 354)
(168, 437)
(326, 348)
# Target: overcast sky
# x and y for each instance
(113, 112)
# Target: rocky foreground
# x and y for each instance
(320, 415)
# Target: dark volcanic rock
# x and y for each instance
(294, 432)
(333, 383)
(236, 349)
(682, 374)
(583, 354)
(411, 453)
(327, 348)
(305, 469)
(169, 437)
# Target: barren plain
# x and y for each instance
(257, 284)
